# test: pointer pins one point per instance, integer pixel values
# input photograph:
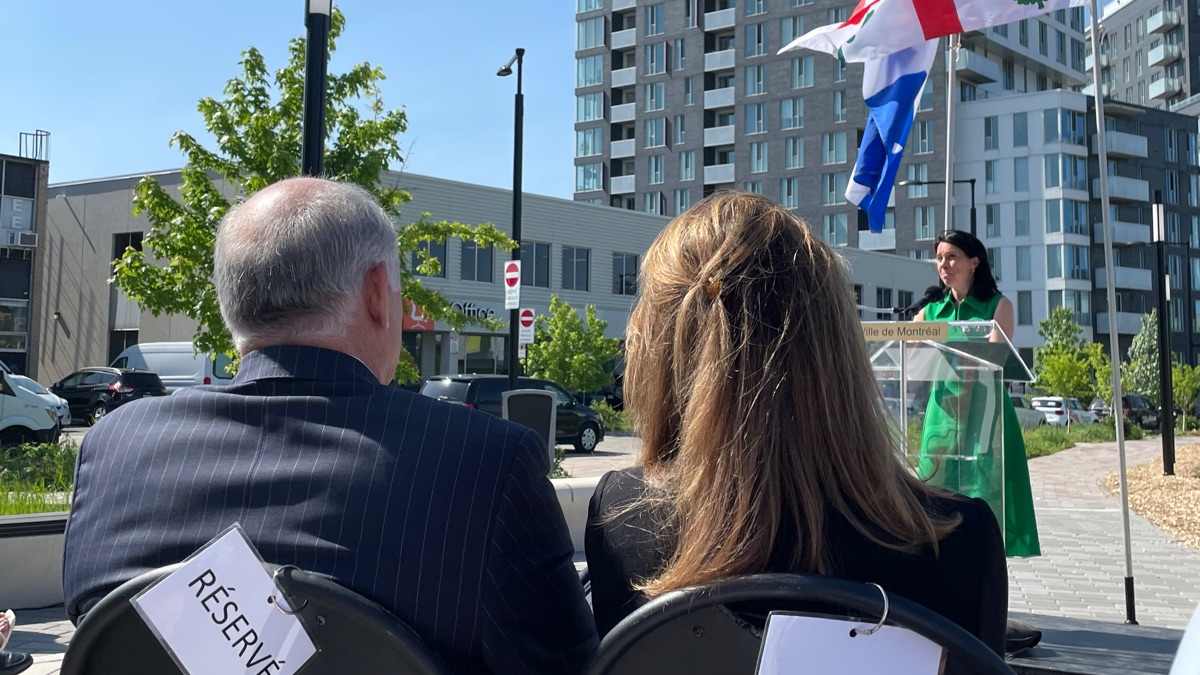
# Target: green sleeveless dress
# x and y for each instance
(966, 417)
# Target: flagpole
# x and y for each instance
(952, 45)
(1111, 292)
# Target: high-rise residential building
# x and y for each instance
(678, 98)
(23, 195)
(1144, 48)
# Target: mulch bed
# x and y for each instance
(1171, 503)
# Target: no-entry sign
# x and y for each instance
(512, 284)
(525, 319)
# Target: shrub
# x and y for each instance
(557, 471)
(36, 477)
(614, 420)
(1046, 440)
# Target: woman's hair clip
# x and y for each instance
(713, 289)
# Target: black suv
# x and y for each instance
(92, 392)
(1139, 412)
(576, 423)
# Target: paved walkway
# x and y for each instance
(1080, 574)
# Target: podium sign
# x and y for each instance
(533, 408)
(946, 399)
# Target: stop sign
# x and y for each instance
(526, 318)
(512, 274)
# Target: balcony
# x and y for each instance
(1105, 60)
(722, 60)
(1128, 323)
(1130, 278)
(618, 5)
(624, 77)
(1164, 54)
(623, 113)
(1107, 90)
(719, 19)
(718, 98)
(621, 185)
(623, 149)
(718, 173)
(1123, 233)
(976, 68)
(1122, 188)
(718, 136)
(1162, 22)
(623, 39)
(1166, 87)
(877, 241)
(1121, 144)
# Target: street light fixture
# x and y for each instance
(956, 181)
(518, 137)
(316, 53)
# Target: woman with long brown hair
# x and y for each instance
(765, 443)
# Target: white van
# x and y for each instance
(176, 363)
(24, 416)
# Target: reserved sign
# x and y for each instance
(878, 331)
(222, 613)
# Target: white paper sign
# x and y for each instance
(824, 647)
(213, 614)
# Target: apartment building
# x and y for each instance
(1145, 48)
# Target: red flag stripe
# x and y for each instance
(859, 12)
(937, 17)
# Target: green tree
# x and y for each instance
(1101, 366)
(1185, 385)
(1059, 331)
(257, 127)
(569, 349)
(1064, 364)
(1142, 365)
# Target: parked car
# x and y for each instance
(1027, 416)
(1101, 408)
(57, 402)
(177, 364)
(1138, 411)
(24, 416)
(1058, 409)
(575, 423)
(92, 392)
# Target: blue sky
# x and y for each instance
(113, 81)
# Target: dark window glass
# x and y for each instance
(445, 389)
(18, 179)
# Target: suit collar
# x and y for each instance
(946, 308)
(303, 363)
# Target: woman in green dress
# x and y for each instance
(962, 417)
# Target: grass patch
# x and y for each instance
(614, 420)
(1047, 440)
(36, 477)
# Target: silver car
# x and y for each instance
(1027, 416)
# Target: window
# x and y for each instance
(1023, 32)
(687, 165)
(994, 260)
(680, 54)
(1169, 144)
(918, 173)
(802, 72)
(1021, 218)
(588, 142)
(436, 250)
(755, 7)
(989, 177)
(589, 5)
(754, 186)
(535, 264)
(691, 10)
(756, 39)
(589, 177)
(1074, 217)
(923, 222)
(476, 262)
(834, 147)
(756, 80)
(883, 298)
(904, 298)
(926, 102)
(654, 97)
(656, 19)
(1021, 174)
(654, 61)
(589, 107)
(678, 130)
(575, 268)
(789, 189)
(922, 137)
(758, 157)
(1054, 261)
(1171, 194)
(1024, 271)
(834, 188)
(655, 132)
(1051, 171)
(991, 217)
(689, 91)
(790, 28)
(839, 106)
(839, 73)
(837, 14)
(683, 200)
(652, 203)
(791, 113)
(1053, 215)
(991, 133)
(589, 33)
(655, 168)
(1010, 75)
(589, 70)
(1020, 129)
(837, 229)
(756, 118)
(1024, 308)
(794, 153)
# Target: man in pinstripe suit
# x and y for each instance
(440, 513)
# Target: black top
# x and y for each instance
(966, 582)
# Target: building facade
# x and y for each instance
(585, 254)
(23, 190)
(1145, 48)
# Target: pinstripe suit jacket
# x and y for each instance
(439, 513)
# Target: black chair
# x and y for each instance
(718, 628)
(354, 634)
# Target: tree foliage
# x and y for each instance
(257, 127)
(1143, 359)
(1185, 386)
(569, 349)
(1065, 365)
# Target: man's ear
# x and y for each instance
(377, 296)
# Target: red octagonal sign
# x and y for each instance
(512, 274)
(527, 317)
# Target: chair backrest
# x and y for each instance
(718, 628)
(354, 634)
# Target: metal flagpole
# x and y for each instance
(1111, 291)
(952, 45)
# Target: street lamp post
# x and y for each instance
(1166, 416)
(970, 181)
(518, 141)
(317, 19)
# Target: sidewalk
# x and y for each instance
(1079, 575)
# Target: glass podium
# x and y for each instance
(943, 386)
